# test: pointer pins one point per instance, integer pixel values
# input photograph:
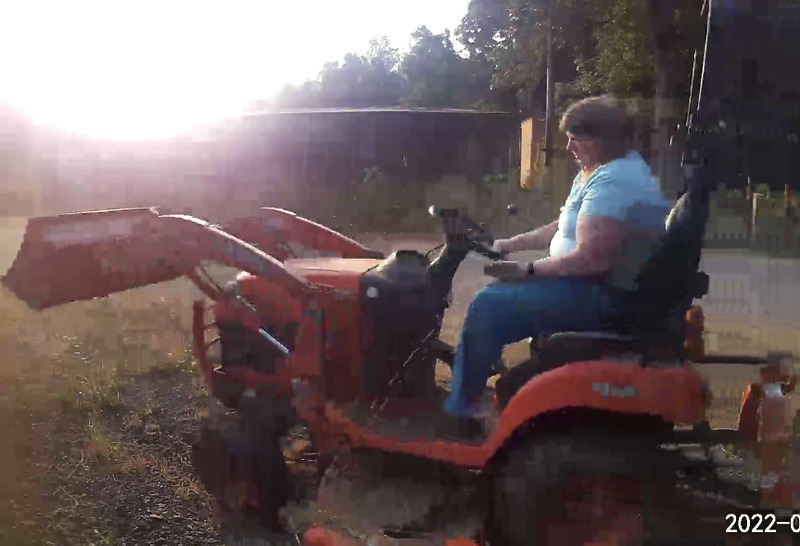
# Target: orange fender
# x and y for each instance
(748, 423)
(695, 326)
(317, 536)
(675, 394)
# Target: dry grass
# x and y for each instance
(95, 397)
(110, 409)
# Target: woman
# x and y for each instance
(613, 215)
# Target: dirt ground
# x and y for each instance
(98, 400)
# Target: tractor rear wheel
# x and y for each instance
(578, 487)
(243, 467)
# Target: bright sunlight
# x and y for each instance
(143, 69)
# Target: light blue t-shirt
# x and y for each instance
(623, 189)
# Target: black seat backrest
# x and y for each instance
(668, 282)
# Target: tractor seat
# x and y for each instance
(562, 348)
(557, 349)
(583, 345)
(652, 316)
(696, 287)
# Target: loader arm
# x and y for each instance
(278, 231)
(86, 255)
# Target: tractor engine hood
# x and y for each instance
(86, 255)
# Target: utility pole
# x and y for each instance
(550, 106)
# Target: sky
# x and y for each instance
(147, 69)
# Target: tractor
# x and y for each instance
(585, 436)
(597, 436)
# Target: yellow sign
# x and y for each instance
(535, 176)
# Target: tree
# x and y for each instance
(437, 76)
(619, 58)
(306, 95)
(624, 47)
(599, 45)
(677, 32)
(511, 35)
(359, 81)
(432, 74)
(371, 80)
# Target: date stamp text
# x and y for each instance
(763, 521)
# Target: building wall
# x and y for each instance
(334, 147)
(550, 185)
(526, 151)
(285, 160)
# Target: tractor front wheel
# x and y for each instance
(243, 467)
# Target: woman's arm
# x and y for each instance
(537, 239)
(599, 232)
(599, 247)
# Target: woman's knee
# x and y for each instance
(485, 303)
(488, 312)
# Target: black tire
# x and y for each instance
(567, 481)
(272, 480)
(232, 458)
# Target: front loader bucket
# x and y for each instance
(86, 255)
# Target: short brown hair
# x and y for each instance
(604, 119)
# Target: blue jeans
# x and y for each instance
(504, 313)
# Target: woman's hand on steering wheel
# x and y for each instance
(499, 246)
(493, 253)
(483, 242)
(462, 228)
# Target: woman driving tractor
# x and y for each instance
(608, 225)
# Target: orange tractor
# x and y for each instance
(585, 438)
(598, 437)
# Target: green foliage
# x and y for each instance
(432, 74)
(600, 46)
(762, 189)
(374, 202)
(495, 179)
(624, 61)
(380, 202)
(511, 35)
(437, 76)
(358, 81)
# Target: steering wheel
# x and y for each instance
(459, 228)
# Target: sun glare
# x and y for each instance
(131, 70)
(144, 69)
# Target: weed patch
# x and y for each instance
(96, 400)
